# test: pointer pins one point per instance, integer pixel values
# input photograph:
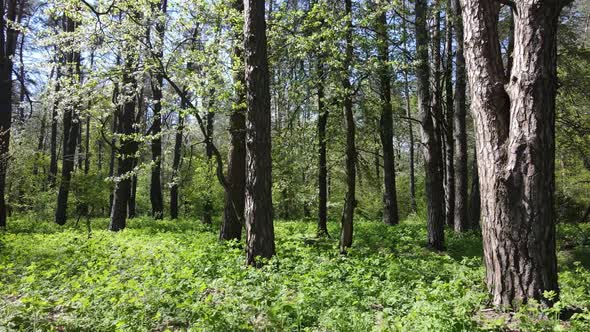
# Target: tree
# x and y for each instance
(71, 120)
(514, 127)
(258, 206)
(156, 84)
(430, 140)
(460, 131)
(350, 199)
(8, 40)
(233, 212)
(390, 214)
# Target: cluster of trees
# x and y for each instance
(107, 102)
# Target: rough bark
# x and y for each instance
(71, 128)
(431, 148)
(258, 207)
(156, 84)
(350, 126)
(8, 40)
(515, 124)
(233, 211)
(210, 120)
(390, 212)
(461, 222)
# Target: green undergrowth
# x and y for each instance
(175, 275)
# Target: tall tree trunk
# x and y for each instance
(474, 208)
(350, 199)
(413, 205)
(156, 84)
(390, 212)
(127, 148)
(449, 142)
(431, 147)
(515, 134)
(8, 39)
(71, 131)
(461, 222)
(52, 177)
(260, 242)
(233, 211)
(176, 163)
(210, 120)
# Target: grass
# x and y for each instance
(175, 275)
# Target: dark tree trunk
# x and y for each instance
(176, 163)
(461, 221)
(449, 130)
(8, 39)
(413, 205)
(210, 121)
(157, 81)
(431, 147)
(390, 213)
(260, 242)
(131, 203)
(53, 139)
(233, 211)
(112, 158)
(127, 148)
(350, 199)
(515, 134)
(71, 129)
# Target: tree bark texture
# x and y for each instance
(449, 130)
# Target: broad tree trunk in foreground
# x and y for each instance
(8, 38)
(390, 213)
(350, 199)
(431, 147)
(461, 223)
(71, 131)
(515, 132)
(233, 211)
(260, 238)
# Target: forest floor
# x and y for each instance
(175, 275)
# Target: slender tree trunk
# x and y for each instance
(127, 149)
(210, 120)
(413, 205)
(390, 212)
(431, 147)
(260, 241)
(515, 134)
(449, 142)
(350, 199)
(71, 131)
(233, 211)
(157, 81)
(461, 221)
(176, 164)
(54, 123)
(474, 211)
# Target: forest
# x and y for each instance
(295, 165)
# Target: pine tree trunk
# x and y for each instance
(233, 211)
(461, 221)
(474, 208)
(350, 199)
(431, 147)
(449, 142)
(390, 213)
(413, 206)
(71, 131)
(515, 133)
(258, 207)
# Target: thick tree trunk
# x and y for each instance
(515, 132)
(461, 222)
(350, 199)
(260, 242)
(431, 147)
(390, 213)
(127, 149)
(8, 39)
(157, 81)
(449, 130)
(71, 131)
(233, 211)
